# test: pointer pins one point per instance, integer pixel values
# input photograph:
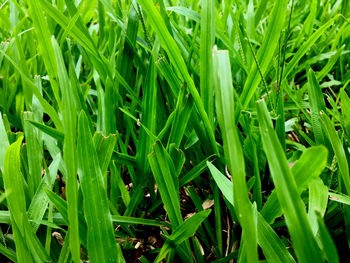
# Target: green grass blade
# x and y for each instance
(273, 248)
(62, 219)
(149, 116)
(207, 42)
(4, 143)
(40, 200)
(233, 149)
(182, 116)
(182, 233)
(309, 166)
(54, 133)
(16, 206)
(101, 244)
(164, 173)
(34, 153)
(28, 245)
(104, 147)
(46, 106)
(195, 171)
(46, 49)
(318, 200)
(345, 107)
(68, 110)
(266, 52)
(327, 241)
(8, 253)
(170, 46)
(338, 151)
(292, 206)
(316, 105)
(306, 46)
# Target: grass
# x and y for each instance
(174, 131)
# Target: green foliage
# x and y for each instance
(185, 131)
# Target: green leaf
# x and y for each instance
(164, 173)
(4, 143)
(181, 233)
(273, 248)
(207, 39)
(172, 50)
(233, 149)
(40, 200)
(306, 46)
(292, 206)
(316, 105)
(45, 44)
(318, 200)
(28, 246)
(54, 133)
(309, 166)
(266, 52)
(149, 115)
(104, 147)
(101, 244)
(68, 109)
(338, 151)
(34, 153)
(341, 198)
(327, 242)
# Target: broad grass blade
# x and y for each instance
(316, 105)
(206, 44)
(309, 166)
(318, 200)
(292, 206)
(68, 109)
(4, 143)
(28, 246)
(327, 242)
(233, 149)
(101, 244)
(164, 173)
(338, 151)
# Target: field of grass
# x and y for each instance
(174, 131)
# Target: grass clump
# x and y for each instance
(177, 131)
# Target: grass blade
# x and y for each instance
(233, 150)
(207, 42)
(292, 206)
(318, 199)
(316, 105)
(266, 52)
(4, 143)
(338, 151)
(28, 246)
(182, 233)
(327, 241)
(169, 44)
(101, 244)
(68, 110)
(273, 248)
(309, 166)
(164, 173)
(306, 46)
